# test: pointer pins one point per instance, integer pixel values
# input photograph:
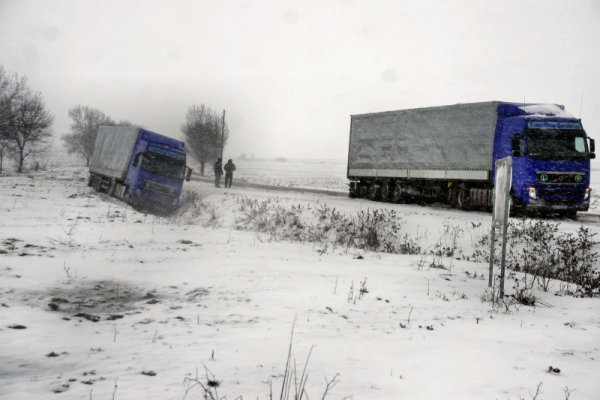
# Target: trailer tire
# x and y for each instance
(490, 199)
(95, 182)
(111, 188)
(462, 198)
(374, 192)
(569, 214)
(362, 190)
(397, 195)
(452, 196)
(385, 192)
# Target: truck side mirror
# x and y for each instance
(188, 174)
(592, 145)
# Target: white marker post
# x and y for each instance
(502, 187)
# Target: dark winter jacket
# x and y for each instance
(218, 167)
(229, 168)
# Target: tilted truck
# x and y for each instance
(143, 168)
(448, 154)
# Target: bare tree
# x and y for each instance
(10, 87)
(24, 120)
(5, 105)
(4, 149)
(205, 134)
(84, 129)
(6, 96)
(125, 122)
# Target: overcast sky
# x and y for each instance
(290, 73)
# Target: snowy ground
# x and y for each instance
(177, 295)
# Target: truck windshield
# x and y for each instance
(553, 145)
(163, 165)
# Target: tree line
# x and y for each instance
(26, 126)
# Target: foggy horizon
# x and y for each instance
(289, 76)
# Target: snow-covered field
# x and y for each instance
(317, 174)
(118, 304)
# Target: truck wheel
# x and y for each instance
(385, 192)
(569, 214)
(462, 198)
(517, 209)
(95, 182)
(111, 188)
(452, 197)
(397, 195)
(373, 192)
(362, 191)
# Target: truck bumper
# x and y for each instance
(541, 206)
(155, 201)
(552, 199)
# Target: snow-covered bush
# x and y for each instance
(408, 245)
(193, 210)
(444, 249)
(375, 230)
(331, 226)
(534, 250)
(523, 290)
(539, 248)
(578, 262)
(371, 230)
(271, 217)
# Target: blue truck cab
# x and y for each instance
(550, 156)
(143, 168)
(156, 171)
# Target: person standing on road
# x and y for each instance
(229, 168)
(218, 168)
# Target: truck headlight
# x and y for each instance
(532, 194)
(586, 195)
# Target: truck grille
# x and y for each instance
(561, 195)
(554, 177)
(157, 187)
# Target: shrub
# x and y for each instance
(577, 260)
(331, 226)
(193, 210)
(375, 230)
(371, 230)
(270, 217)
(537, 252)
(539, 249)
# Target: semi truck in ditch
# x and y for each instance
(143, 168)
(448, 154)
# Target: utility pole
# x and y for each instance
(223, 134)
